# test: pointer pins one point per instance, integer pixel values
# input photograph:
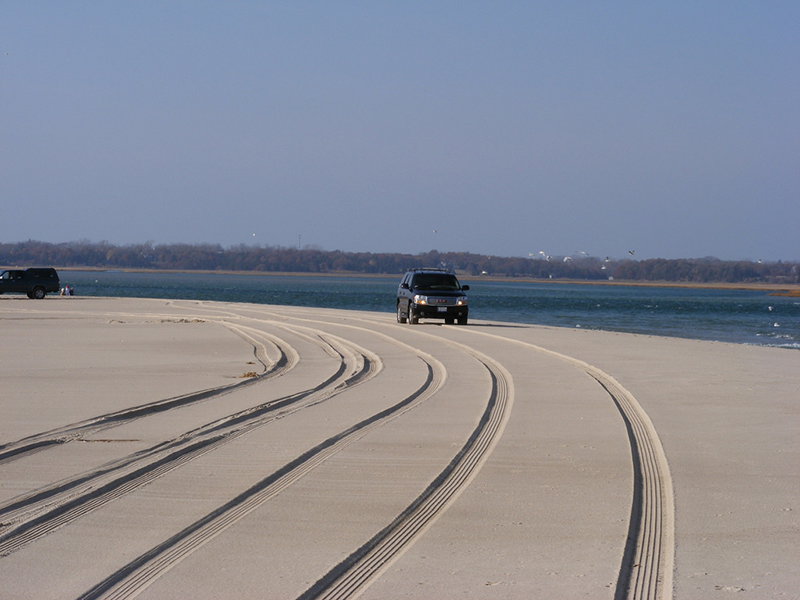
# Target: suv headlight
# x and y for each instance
(461, 301)
(420, 299)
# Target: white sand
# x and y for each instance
(260, 490)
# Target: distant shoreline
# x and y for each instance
(783, 289)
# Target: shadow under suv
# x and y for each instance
(431, 294)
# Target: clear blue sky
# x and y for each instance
(668, 128)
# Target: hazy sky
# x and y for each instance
(668, 128)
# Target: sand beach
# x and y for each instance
(187, 449)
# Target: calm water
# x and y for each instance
(740, 316)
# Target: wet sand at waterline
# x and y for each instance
(181, 449)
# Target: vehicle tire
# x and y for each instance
(449, 321)
(462, 320)
(400, 317)
(413, 318)
(39, 293)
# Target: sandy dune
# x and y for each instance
(179, 449)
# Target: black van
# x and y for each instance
(36, 283)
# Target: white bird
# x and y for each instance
(566, 258)
(631, 252)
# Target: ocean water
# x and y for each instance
(738, 316)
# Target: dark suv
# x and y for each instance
(431, 294)
(33, 282)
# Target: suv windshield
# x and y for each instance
(435, 281)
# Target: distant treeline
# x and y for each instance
(209, 257)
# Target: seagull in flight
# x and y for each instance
(631, 252)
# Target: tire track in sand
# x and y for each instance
(355, 573)
(646, 571)
(130, 580)
(287, 359)
(39, 513)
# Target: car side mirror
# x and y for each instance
(404, 286)
(465, 288)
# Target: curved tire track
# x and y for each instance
(357, 571)
(68, 433)
(139, 573)
(39, 513)
(646, 571)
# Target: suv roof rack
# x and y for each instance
(430, 269)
